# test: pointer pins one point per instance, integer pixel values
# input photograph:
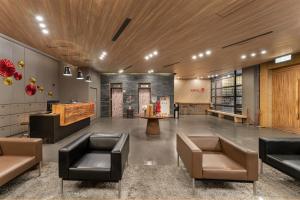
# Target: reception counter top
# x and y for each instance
(192, 108)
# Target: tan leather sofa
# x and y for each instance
(17, 155)
(216, 158)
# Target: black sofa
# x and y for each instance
(281, 153)
(100, 157)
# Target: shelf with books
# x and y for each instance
(227, 92)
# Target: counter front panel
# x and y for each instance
(71, 113)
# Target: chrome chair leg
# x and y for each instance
(120, 189)
(40, 168)
(254, 188)
(177, 160)
(193, 183)
(62, 187)
(261, 167)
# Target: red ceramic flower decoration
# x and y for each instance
(7, 68)
(18, 76)
(30, 89)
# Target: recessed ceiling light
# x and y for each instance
(253, 54)
(200, 55)
(150, 55)
(155, 53)
(194, 57)
(101, 58)
(208, 52)
(243, 56)
(42, 25)
(263, 52)
(121, 71)
(45, 31)
(104, 53)
(147, 57)
(39, 18)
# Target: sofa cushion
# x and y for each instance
(92, 166)
(12, 166)
(100, 141)
(217, 165)
(206, 143)
(292, 160)
(97, 161)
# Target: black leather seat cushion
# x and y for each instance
(92, 166)
(289, 164)
(289, 160)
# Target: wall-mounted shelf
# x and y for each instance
(226, 92)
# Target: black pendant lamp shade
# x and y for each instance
(67, 71)
(79, 75)
(88, 79)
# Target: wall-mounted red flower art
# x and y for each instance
(7, 68)
(18, 76)
(30, 89)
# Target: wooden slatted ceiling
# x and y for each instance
(81, 29)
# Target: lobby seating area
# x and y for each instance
(17, 155)
(95, 157)
(282, 154)
(216, 158)
(149, 99)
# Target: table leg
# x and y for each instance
(153, 127)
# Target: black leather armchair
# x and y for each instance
(95, 157)
(281, 153)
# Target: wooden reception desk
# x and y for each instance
(64, 120)
(71, 113)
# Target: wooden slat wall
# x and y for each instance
(278, 87)
(285, 98)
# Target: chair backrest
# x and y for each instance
(206, 142)
(103, 141)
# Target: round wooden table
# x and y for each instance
(153, 124)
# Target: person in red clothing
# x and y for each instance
(158, 109)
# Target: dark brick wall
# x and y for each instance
(161, 85)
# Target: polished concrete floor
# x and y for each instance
(160, 150)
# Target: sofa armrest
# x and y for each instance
(245, 157)
(22, 147)
(252, 165)
(190, 155)
(71, 153)
(119, 157)
(278, 146)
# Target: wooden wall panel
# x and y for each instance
(266, 69)
(285, 100)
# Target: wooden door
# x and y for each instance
(144, 98)
(116, 102)
(285, 98)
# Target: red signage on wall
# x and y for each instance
(201, 90)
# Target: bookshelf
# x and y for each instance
(227, 92)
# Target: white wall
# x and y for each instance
(190, 91)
